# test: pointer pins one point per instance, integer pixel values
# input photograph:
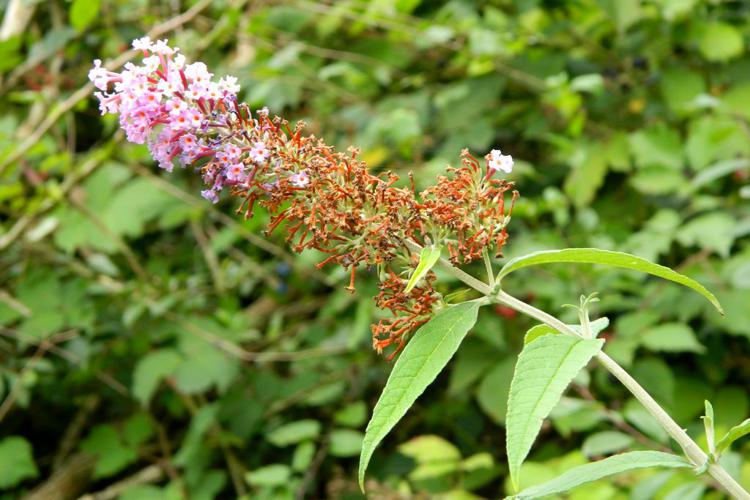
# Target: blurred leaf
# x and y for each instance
(83, 13)
(303, 456)
(671, 337)
(545, 368)
(150, 370)
(269, 475)
(680, 86)
(16, 461)
(352, 415)
(690, 491)
(421, 361)
(492, 392)
(112, 454)
(673, 10)
(733, 435)
(605, 443)
(294, 432)
(624, 12)
(586, 177)
(721, 42)
(657, 146)
(731, 405)
(345, 442)
(434, 456)
(712, 231)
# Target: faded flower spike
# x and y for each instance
(327, 200)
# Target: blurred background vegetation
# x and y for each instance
(155, 346)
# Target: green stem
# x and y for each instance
(694, 453)
(488, 268)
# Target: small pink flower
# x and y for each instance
(181, 121)
(300, 179)
(258, 152)
(236, 172)
(175, 107)
(195, 117)
(188, 142)
(210, 195)
(224, 158)
(233, 150)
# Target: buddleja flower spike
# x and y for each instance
(327, 200)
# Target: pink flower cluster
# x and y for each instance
(182, 113)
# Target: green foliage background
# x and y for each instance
(177, 345)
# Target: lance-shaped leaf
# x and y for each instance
(421, 361)
(733, 435)
(597, 470)
(607, 257)
(544, 370)
(427, 258)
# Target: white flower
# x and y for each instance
(99, 75)
(142, 43)
(498, 161)
(162, 47)
(229, 84)
(179, 61)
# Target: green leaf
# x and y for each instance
(150, 370)
(423, 358)
(603, 468)
(608, 257)
(712, 231)
(537, 331)
(427, 258)
(269, 475)
(672, 337)
(708, 423)
(605, 443)
(16, 461)
(680, 87)
(83, 13)
(544, 370)
(433, 455)
(294, 432)
(112, 454)
(721, 42)
(345, 443)
(733, 435)
(492, 392)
